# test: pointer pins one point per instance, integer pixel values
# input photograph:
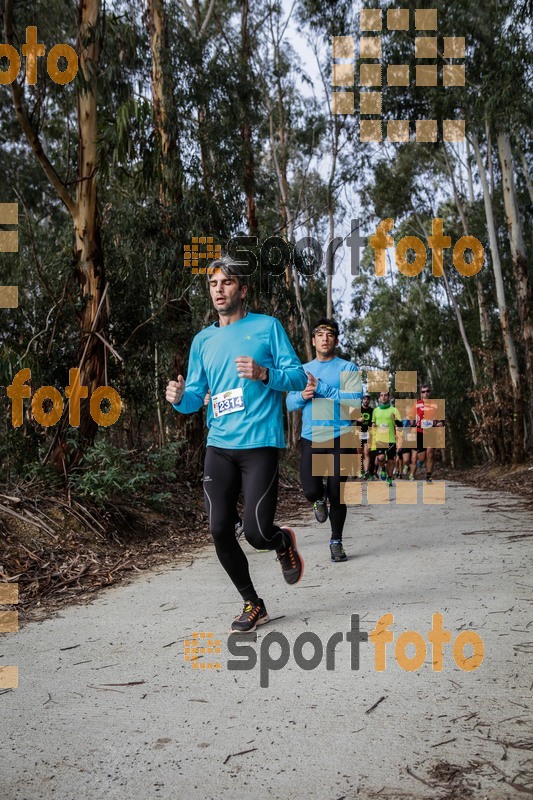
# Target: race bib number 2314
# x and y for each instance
(228, 402)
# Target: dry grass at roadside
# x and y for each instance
(518, 480)
(60, 553)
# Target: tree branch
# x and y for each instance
(188, 13)
(207, 17)
(26, 126)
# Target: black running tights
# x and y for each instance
(225, 472)
(313, 485)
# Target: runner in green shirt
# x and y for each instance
(385, 418)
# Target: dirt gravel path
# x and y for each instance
(107, 706)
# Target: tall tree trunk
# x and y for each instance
(246, 126)
(87, 235)
(490, 162)
(198, 19)
(524, 295)
(451, 298)
(280, 165)
(289, 229)
(509, 347)
(189, 429)
(330, 260)
(497, 438)
(83, 212)
(484, 319)
(163, 100)
(160, 100)
(527, 176)
(462, 331)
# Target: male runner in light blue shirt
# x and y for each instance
(328, 432)
(246, 361)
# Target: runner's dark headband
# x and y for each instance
(325, 328)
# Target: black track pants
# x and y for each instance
(313, 485)
(225, 472)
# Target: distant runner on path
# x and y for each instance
(385, 418)
(246, 361)
(424, 412)
(364, 422)
(329, 374)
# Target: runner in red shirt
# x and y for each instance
(424, 412)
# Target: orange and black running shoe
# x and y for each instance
(292, 564)
(253, 614)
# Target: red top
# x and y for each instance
(425, 413)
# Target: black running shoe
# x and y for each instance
(429, 479)
(320, 507)
(292, 564)
(337, 551)
(253, 614)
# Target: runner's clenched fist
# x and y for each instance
(175, 390)
(248, 368)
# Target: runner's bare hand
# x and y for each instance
(309, 391)
(247, 368)
(175, 390)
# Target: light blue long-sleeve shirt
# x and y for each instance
(212, 367)
(339, 386)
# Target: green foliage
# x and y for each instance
(110, 474)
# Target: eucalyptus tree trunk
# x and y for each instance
(484, 319)
(527, 176)
(496, 440)
(490, 450)
(86, 225)
(524, 295)
(83, 211)
(198, 18)
(331, 214)
(462, 331)
(163, 103)
(509, 347)
(292, 273)
(456, 307)
(292, 277)
(246, 126)
(189, 429)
